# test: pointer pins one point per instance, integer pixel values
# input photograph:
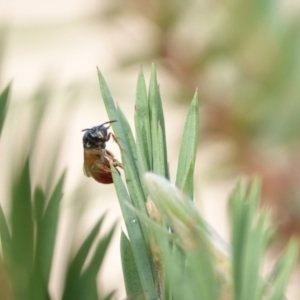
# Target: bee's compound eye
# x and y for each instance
(85, 137)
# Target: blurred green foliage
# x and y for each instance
(29, 229)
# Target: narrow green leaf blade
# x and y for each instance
(83, 251)
(22, 236)
(130, 166)
(283, 270)
(203, 284)
(140, 250)
(77, 263)
(39, 284)
(3, 105)
(240, 223)
(188, 150)
(191, 234)
(178, 211)
(250, 237)
(39, 200)
(46, 234)
(22, 221)
(130, 273)
(72, 282)
(88, 279)
(142, 122)
(5, 235)
(128, 150)
(159, 165)
(157, 125)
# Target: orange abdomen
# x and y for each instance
(97, 166)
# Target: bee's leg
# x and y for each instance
(114, 139)
(116, 163)
(112, 159)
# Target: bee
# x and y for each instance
(97, 158)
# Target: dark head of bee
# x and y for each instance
(97, 136)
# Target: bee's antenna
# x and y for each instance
(108, 122)
(100, 125)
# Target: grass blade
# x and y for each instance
(158, 131)
(75, 268)
(130, 273)
(139, 247)
(3, 105)
(5, 235)
(88, 280)
(188, 150)
(250, 237)
(46, 234)
(198, 276)
(142, 123)
(21, 250)
(124, 139)
(39, 286)
(283, 270)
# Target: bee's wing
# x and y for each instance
(86, 171)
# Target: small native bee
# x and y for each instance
(97, 158)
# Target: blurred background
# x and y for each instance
(242, 56)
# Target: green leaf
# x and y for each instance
(75, 268)
(88, 279)
(283, 270)
(240, 224)
(3, 105)
(203, 284)
(39, 205)
(250, 237)
(159, 163)
(39, 284)
(142, 123)
(188, 150)
(157, 126)
(188, 183)
(177, 209)
(95, 264)
(5, 235)
(46, 232)
(21, 250)
(22, 220)
(139, 247)
(125, 140)
(46, 229)
(129, 139)
(130, 273)
(130, 165)
(197, 278)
